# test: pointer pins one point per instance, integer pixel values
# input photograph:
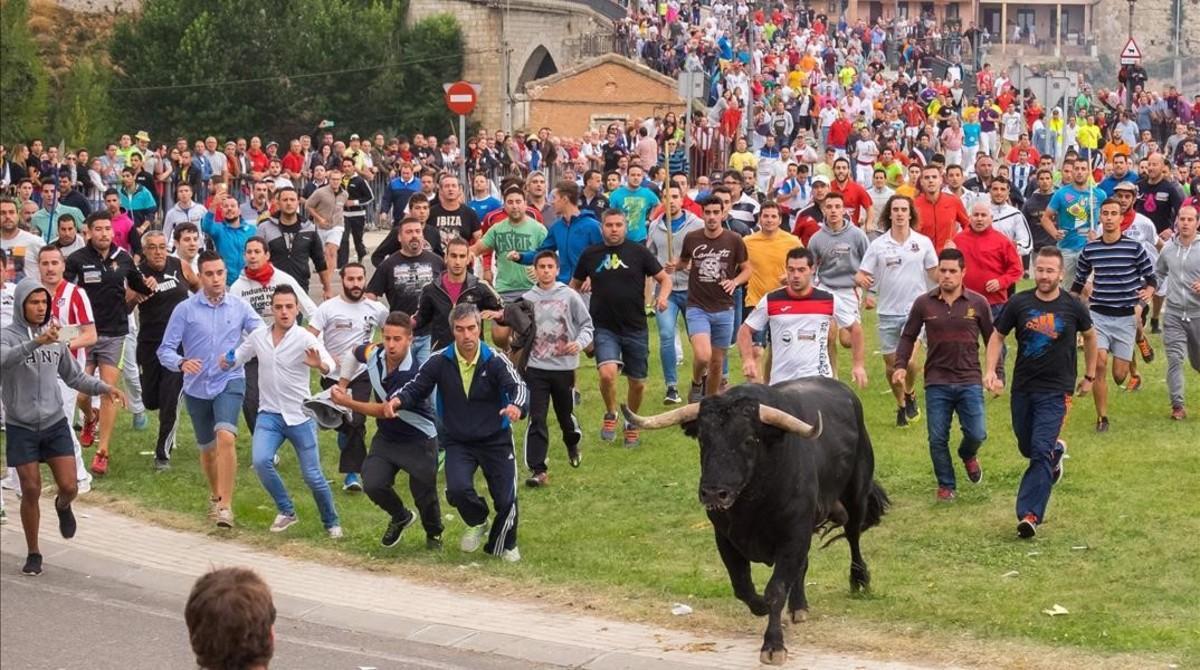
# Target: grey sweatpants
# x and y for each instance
(1181, 336)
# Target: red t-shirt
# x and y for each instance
(942, 219)
(855, 198)
(453, 289)
(292, 162)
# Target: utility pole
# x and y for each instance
(1178, 39)
(1128, 77)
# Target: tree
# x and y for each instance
(83, 117)
(23, 82)
(231, 67)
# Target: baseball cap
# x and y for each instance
(1125, 186)
(820, 179)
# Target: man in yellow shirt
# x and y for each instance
(1087, 134)
(767, 251)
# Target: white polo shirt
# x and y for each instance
(900, 269)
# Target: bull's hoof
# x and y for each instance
(799, 616)
(773, 656)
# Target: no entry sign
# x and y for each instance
(461, 97)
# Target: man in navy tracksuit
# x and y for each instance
(479, 395)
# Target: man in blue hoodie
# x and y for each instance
(573, 231)
(480, 389)
(36, 427)
(398, 191)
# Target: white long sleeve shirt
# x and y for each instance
(283, 376)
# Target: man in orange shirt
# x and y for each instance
(854, 196)
(940, 215)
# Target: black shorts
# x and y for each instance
(31, 446)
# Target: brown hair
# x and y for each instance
(230, 616)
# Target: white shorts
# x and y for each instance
(845, 306)
(333, 236)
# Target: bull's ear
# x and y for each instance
(691, 428)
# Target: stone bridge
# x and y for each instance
(508, 43)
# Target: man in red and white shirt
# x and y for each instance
(70, 307)
(799, 318)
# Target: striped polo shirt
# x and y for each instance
(1118, 271)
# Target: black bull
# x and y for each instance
(778, 463)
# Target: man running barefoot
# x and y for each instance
(36, 427)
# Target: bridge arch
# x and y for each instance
(539, 64)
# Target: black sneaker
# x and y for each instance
(33, 565)
(1102, 424)
(433, 542)
(573, 455)
(395, 529)
(910, 406)
(1027, 528)
(161, 465)
(901, 417)
(697, 392)
(672, 397)
(1154, 328)
(66, 520)
(538, 480)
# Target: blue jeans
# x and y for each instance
(420, 349)
(269, 433)
(668, 320)
(942, 401)
(1037, 419)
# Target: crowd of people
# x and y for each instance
(188, 276)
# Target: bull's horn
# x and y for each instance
(784, 421)
(675, 417)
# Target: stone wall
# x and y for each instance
(527, 26)
(1153, 29)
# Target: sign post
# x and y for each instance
(461, 98)
(691, 86)
(1131, 54)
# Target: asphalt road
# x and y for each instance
(69, 620)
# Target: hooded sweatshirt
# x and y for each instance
(839, 254)
(1181, 265)
(562, 318)
(657, 241)
(568, 239)
(31, 395)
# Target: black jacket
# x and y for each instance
(292, 247)
(434, 306)
(359, 190)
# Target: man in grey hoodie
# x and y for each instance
(564, 328)
(32, 359)
(665, 244)
(1179, 268)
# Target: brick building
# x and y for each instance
(594, 93)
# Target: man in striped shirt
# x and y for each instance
(1121, 275)
(70, 307)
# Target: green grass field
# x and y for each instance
(625, 536)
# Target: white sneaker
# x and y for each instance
(335, 532)
(511, 555)
(473, 538)
(283, 522)
(83, 486)
(224, 517)
(10, 480)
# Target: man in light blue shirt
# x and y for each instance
(1073, 215)
(207, 326)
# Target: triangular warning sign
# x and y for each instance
(1131, 50)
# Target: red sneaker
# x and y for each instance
(100, 464)
(974, 470)
(87, 436)
(946, 493)
(1134, 383)
(1178, 413)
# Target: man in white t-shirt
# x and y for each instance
(799, 319)
(898, 266)
(343, 323)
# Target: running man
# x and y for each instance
(1179, 269)
(405, 440)
(839, 248)
(286, 353)
(36, 428)
(1047, 321)
(1120, 274)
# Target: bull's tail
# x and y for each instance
(877, 504)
